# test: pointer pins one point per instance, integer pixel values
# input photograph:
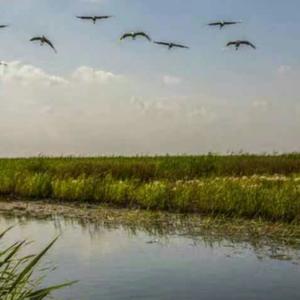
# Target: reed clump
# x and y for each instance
(213, 186)
(159, 167)
(18, 279)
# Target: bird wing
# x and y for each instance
(231, 23)
(50, 44)
(214, 24)
(37, 38)
(231, 43)
(84, 17)
(248, 44)
(180, 46)
(3, 26)
(162, 43)
(143, 34)
(126, 35)
(102, 17)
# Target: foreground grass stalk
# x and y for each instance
(16, 273)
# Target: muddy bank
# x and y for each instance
(256, 232)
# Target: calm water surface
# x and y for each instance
(121, 264)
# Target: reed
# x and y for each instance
(212, 185)
(156, 168)
(275, 198)
(18, 280)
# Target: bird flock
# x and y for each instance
(43, 40)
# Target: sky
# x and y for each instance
(100, 96)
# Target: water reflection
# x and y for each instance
(132, 262)
(158, 234)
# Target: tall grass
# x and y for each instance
(206, 184)
(156, 168)
(17, 273)
(271, 198)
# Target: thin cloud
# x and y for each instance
(90, 111)
(260, 104)
(88, 74)
(171, 80)
(284, 69)
(23, 74)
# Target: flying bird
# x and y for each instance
(221, 24)
(134, 35)
(93, 18)
(171, 45)
(43, 40)
(239, 43)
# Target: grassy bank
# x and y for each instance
(263, 236)
(235, 186)
(157, 168)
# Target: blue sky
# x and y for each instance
(207, 78)
(266, 24)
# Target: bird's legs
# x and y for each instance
(94, 20)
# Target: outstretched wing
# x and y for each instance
(162, 43)
(84, 17)
(180, 46)
(50, 44)
(214, 24)
(126, 35)
(143, 34)
(231, 23)
(248, 44)
(3, 26)
(37, 38)
(102, 17)
(231, 44)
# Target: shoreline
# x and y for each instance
(272, 198)
(256, 232)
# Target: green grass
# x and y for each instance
(247, 186)
(155, 168)
(18, 279)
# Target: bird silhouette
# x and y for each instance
(171, 45)
(93, 18)
(134, 35)
(43, 40)
(222, 24)
(239, 43)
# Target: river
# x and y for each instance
(119, 263)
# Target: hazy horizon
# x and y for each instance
(99, 96)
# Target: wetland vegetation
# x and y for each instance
(243, 186)
(18, 272)
(250, 203)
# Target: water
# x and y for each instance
(116, 263)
